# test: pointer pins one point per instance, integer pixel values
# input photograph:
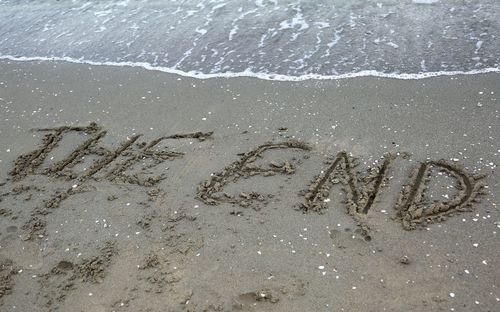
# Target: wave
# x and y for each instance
(250, 74)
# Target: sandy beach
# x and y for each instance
(123, 189)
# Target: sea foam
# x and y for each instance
(250, 74)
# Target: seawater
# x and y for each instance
(269, 39)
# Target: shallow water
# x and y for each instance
(265, 38)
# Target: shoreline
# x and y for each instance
(262, 76)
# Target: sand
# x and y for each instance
(131, 190)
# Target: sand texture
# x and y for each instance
(123, 189)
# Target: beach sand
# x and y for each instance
(363, 194)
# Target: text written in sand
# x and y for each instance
(134, 162)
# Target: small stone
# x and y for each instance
(404, 260)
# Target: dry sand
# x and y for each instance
(130, 190)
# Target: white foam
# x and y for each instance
(250, 74)
(478, 46)
(233, 32)
(322, 25)
(424, 1)
(297, 20)
(392, 44)
(201, 31)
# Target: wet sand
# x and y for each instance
(131, 190)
